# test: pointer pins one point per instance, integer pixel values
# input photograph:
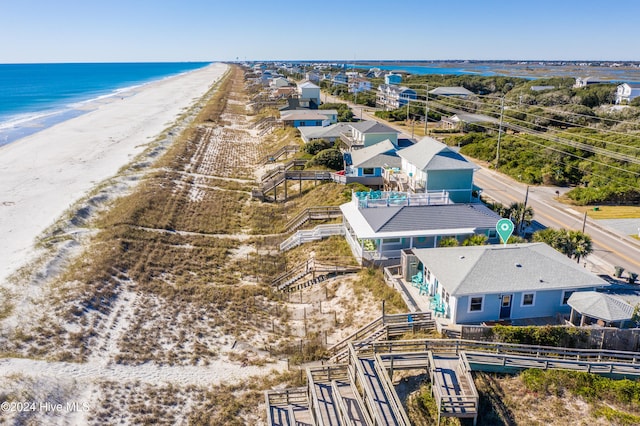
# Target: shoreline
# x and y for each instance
(16, 126)
(48, 171)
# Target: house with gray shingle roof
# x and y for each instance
(451, 91)
(497, 282)
(430, 165)
(380, 224)
(367, 165)
(362, 134)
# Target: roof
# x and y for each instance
(431, 154)
(601, 306)
(473, 118)
(425, 220)
(499, 268)
(370, 126)
(381, 154)
(451, 91)
(318, 132)
(300, 114)
(308, 85)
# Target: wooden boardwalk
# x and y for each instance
(360, 391)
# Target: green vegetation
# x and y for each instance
(373, 281)
(344, 112)
(535, 335)
(330, 158)
(573, 244)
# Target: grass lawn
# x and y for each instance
(610, 212)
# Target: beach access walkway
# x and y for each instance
(356, 386)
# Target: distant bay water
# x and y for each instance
(36, 96)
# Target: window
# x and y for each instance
(475, 304)
(565, 296)
(527, 299)
(367, 171)
(390, 240)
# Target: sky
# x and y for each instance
(37, 31)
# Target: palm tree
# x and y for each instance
(521, 215)
(475, 240)
(580, 244)
(448, 242)
(573, 244)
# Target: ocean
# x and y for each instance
(36, 96)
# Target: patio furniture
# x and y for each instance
(416, 279)
(424, 289)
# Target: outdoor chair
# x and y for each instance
(416, 279)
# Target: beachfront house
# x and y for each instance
(309, 95)
(380, 224)
(330, 133)
(392, 97)
(626, 92)
(367, 165)
(306, 117)
(362, 134)
(429, 165)
(477, 284)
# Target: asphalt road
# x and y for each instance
(610, 247)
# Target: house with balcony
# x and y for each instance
(429, 165)
(359, 84)
(392, 78)
(362, 134)
(380, 224)
(308, 117)
(308, 95)
(626, 92)
(510, 283)
(391, 96)
(329, 133)
(367, 165)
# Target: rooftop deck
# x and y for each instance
(373, 199)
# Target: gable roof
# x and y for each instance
(431, 154)
(308, 85)
(473, 118)
(451, 91)
(511, 268)
(318, 132)
(601, 306)
(370, 126)
(429, 218)
(381, 154)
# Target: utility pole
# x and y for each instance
(524, 209)
(500, 133)
(584, 223)
(426, 112)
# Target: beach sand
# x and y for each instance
(44, 174)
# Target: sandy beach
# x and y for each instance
(45, 173)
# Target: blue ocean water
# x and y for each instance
(36, 96)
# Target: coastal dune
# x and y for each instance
(42, 175)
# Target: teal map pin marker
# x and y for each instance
(505, 229)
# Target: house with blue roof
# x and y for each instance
(476, 284)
